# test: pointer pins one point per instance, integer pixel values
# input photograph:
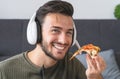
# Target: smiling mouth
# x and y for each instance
(59, 47)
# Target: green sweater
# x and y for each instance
(20, 67)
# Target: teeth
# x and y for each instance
(59, 47)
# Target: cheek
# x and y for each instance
(48, 39)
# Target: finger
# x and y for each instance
(90, 62)
(100, 63)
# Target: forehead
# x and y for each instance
(56, 19)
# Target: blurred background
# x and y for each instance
(84, 9)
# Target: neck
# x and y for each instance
(39, 58)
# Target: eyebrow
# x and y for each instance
(61, 28)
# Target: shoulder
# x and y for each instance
(11, 61)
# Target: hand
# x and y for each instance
(96, 66)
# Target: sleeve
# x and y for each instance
(77, 69)
(1, 75)
(80, 69)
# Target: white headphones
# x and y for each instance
(32, 32)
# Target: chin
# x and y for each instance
(58, 58)
(61, 57)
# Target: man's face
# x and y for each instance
(57, 32)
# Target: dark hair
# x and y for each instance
(54, 6)
(61, 7)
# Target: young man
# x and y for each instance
(50, 58)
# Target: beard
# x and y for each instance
(49, 54)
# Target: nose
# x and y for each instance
(63, 38)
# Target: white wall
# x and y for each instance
(19, 9)
(84, 9)
(94, 9)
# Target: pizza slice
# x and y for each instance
(91, 49)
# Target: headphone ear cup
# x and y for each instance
(32, 31)
(74, 36)
(39, 34)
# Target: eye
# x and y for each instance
(70, 33)
(55, 31)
